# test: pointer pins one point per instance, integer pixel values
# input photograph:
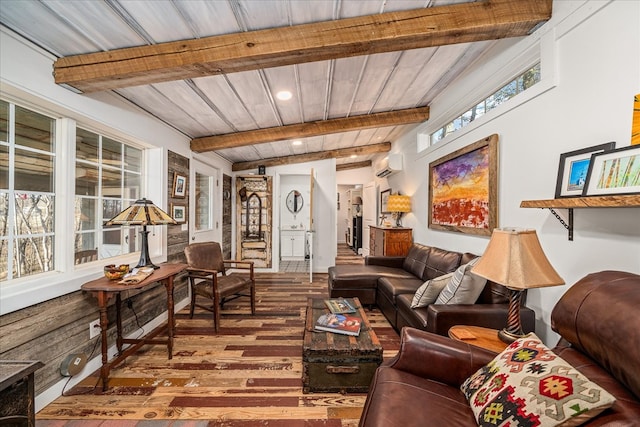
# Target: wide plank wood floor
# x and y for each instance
(249, 374)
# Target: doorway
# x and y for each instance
(206, 208)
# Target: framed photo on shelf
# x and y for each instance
(179, 212)
(384, 200)
(463, 189)
(179, 185)
(573, 169)
(614, 172)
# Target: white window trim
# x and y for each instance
(539, 49)
(20, 293)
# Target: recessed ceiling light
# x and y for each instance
(284, 95)
(296, 142)
(353, 156)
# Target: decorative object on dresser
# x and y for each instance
(389, 241)
(142, 212)
(463, 189)
(573, 168)
(515, 259)
(398, 205)
(614, 172)
(384, 200)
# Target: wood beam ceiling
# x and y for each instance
(275, 47)
(354, 165)
(383, 147)
(309, 129)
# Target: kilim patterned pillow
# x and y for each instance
(529, 385)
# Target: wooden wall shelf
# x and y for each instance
(571, 203)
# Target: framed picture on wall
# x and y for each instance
(179, 212)
(614, 172)
(573, 169)
(179, 185)
(463, 193)
(384, 199)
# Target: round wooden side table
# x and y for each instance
(480, 337)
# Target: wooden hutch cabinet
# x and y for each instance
(389, 241)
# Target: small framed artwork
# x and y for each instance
(179, 212)
(614, 172)
(463, 189)
(573, 169)
(384, 200)
(179, 185)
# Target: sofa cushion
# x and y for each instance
(464, 287)
(416, 259)
(362, 276)
(393, 286)
(429, 291)
(440, 262)
(528, 384)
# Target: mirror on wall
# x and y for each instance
(294, 201)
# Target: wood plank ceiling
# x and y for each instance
(359, 71)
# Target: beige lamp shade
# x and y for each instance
(142, 212)
(515, 259)
(399, 203)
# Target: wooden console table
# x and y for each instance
(104, 289)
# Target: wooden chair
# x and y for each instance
(86, 256)
(208, 278)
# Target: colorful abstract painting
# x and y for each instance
(462, 189)
(635, 122)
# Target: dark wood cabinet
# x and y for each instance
(390, 241)
(17, 394)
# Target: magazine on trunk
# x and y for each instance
(339, 306)
(338, 324)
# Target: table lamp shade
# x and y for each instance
(515, 259)
(142, 212)
(399, 203)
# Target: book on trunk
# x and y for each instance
(339, 306)
(338, 324)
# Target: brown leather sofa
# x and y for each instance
(391, 282)
(598, 321)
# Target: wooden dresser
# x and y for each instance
(389, 241)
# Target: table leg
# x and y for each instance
(170, 315)
(104, 325)
(118, 323)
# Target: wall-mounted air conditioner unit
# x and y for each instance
(390, 165)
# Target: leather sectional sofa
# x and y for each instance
(597, 319)
(391, 282)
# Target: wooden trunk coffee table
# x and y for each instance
(336, 363)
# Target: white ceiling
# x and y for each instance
(245, 101)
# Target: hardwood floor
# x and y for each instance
(346, 255)
(249, 374)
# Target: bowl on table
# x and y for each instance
(115, 272)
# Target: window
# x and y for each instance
(27, 193)
(107, 180)
(521, 83)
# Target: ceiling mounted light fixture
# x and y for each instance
(296, 142)
(284, 95)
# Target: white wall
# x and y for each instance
(597, 72)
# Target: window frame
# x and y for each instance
(23, 292)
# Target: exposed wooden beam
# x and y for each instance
(308, 129)
(275, 47)
(355, 165)
(383, 147)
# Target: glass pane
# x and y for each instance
(34, 214)
(4, 214)
(132, 159)
(119, 241)
(132, 185)
(478, 111)
(86, 214)
(32, 255)
(531, 76)
(4, 259)
(111, 182)
(34, 130)
(111, 152)
(83, 245)
(4, 167)
(86, 180)
(202, 202)
(4, 121)
(111, 208)
(86, 145)
(33, 171)
(437, 135)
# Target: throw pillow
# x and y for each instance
(528, 384)
(464, 286)
(429, 291)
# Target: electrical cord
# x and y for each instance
(95, 345)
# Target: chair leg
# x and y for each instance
(253, 299)
(216, 312)
(193, 300)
